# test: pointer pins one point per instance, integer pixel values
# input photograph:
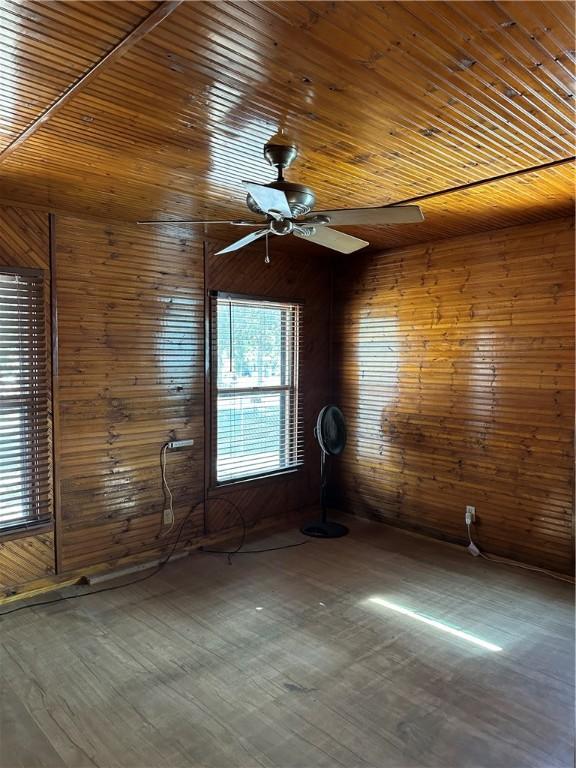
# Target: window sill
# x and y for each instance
(21, 532)
(229, 486)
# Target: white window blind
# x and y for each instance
(257, 418)
(25, 444)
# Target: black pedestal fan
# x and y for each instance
(330, 432)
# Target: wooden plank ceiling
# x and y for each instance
(387, 101)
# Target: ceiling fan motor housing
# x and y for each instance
(280, 155)
(300, 198)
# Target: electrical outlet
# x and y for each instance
(168, 517)
(179, 444)
(470, 516)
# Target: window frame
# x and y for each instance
(40, 457)
(294, 387)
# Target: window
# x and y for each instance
(25, 445)
(256, 358)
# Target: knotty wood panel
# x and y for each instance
(47, 46)
(288, 276)
(131, 376)
(455, 371)
(24, 560)
(131, 342)
(131, 329)
(537, 196)
(387, 101)
(24, 242)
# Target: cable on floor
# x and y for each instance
(239, 549)
(504, 561)
(117, 586)
(229, 553)
(160, 566)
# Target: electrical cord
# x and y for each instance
(83, 594)
(166, 490)
(160, 566)
(504, 561)
(117, 586)
(242, 538)
(168, 497)
(239, 549)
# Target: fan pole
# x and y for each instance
(323, 484)
(323, 528)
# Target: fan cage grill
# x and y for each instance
(331, 430)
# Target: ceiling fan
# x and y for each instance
(288, 206)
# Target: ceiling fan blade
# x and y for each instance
(234, 222)
(332, 238)
(401, 214)
(269, 200)
(246, 240)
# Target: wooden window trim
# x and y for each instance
(22, 532)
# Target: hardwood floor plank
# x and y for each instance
(22, 742)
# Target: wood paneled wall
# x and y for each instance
(455, 371)
(454, 368)
(131, 375)
(131, 354)
(132, 368)
(25, 242)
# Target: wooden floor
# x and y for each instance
(283, 659)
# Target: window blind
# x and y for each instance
(25, 444)
(257, 399)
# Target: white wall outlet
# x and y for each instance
(168, 517)
(470, 516)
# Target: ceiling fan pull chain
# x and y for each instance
(267, 256)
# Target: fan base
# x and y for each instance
(324, 530)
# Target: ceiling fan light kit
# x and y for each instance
(288, 210)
